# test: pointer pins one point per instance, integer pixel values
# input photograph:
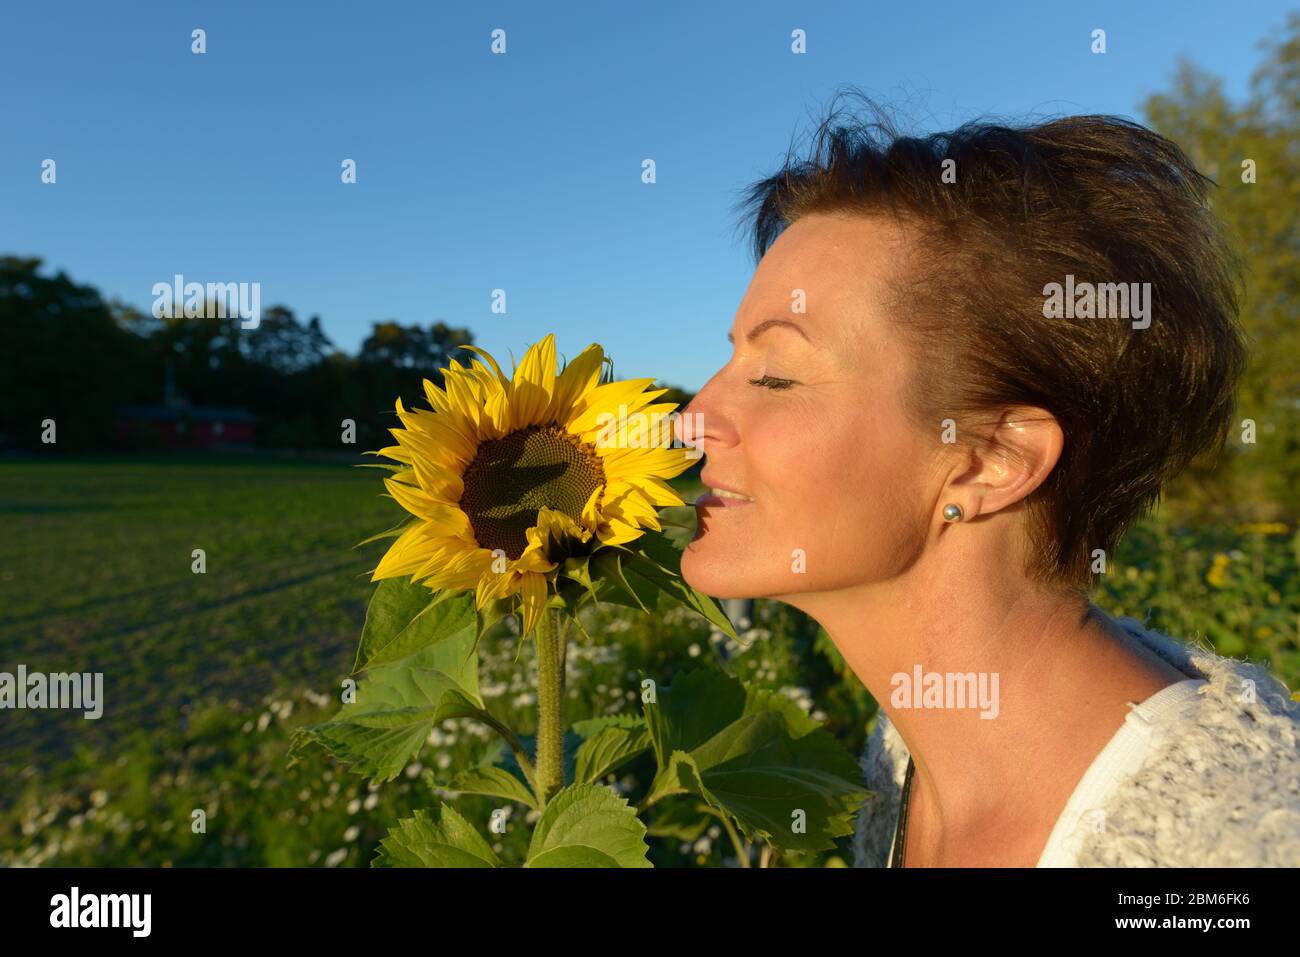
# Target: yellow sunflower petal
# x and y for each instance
(463, 396)
(533, 599)
(496, 419)
(406, 554)
(591, 511)
(501, 376)
(551, 526)
(655, 489)
(555, 522)
(441, 518)
(612, 398)
(450, 433)
(617, 532)
(533, 559)
(533, 388)
(664, 463)
(455, 570)
(578, 378)
(436, 396)
(493, 584)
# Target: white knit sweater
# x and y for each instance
(1222, 788)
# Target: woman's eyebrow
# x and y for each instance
(766, 324)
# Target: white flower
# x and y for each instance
(320, 701)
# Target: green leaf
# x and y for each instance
(586, 825)
(679, 523)
(658, 548)
(697, 706)
(797, 721)
(607, 572)
(381, 465)
(756, 771)
(398, 704)
(495, 782)
(425, 841)
(660, 562)
(681, 818)
(490, 614)
(578, 569)
(588, 727)
(608, 750)
(755, 755)
(404, 617)
(393, 532)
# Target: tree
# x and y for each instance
(65, 358)
(284, 345)
(395, 360)
(413, 347)
(1229, 142)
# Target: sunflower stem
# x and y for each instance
(550, 705)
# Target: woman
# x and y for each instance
(964, 366)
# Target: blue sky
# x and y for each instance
(519, 171)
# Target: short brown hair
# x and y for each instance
(1098, 198)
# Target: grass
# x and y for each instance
(98, 575)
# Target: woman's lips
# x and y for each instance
(721, 498)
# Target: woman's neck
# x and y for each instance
(1004, 691)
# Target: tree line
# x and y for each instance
(75, 358)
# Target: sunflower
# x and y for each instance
(508, 476)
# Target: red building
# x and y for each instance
(185, 427)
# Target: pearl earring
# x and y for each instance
(952, 513)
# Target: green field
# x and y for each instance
(206, 675)
(97, 576)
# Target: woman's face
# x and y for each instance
(842, 486)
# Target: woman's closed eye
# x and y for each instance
(771, 382)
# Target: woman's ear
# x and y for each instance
(1011, 461)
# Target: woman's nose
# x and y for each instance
(689, 425)
(700, 422)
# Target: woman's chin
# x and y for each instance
(714, 574)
